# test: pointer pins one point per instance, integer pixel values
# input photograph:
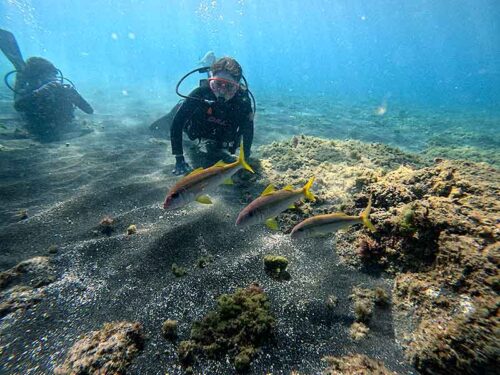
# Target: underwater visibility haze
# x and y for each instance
(320, 196)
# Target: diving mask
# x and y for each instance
(223, 86)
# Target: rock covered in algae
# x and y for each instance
(169, 329)
(107, 351)
(239, 326)
(341, 168)
(22, 285)
(358, 331)
(437, 231)
(355, 364)
(275, 266)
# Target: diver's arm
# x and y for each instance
(78, 100)
(183, 114)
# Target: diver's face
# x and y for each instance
(223, 85)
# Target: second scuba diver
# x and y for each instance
(218, 112)
(40, 94)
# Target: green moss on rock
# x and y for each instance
(240, 324)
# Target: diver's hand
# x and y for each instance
(46, 87)
(181, 167)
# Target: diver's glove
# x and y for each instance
(181, 167)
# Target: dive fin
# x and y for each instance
(365, 216)
(288, 188)
(271, 223)
(203, 199)
(9, 46)
(241, 159)
(306, 189)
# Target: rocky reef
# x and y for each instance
(107, 351)
(23, 285)
(437, 235)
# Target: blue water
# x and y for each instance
(443, 53)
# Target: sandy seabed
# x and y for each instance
(54, 195)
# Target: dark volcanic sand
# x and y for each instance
(118, 170)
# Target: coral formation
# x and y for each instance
(341, 168)
(107, 351)
(331, 301)
(19, 297)
(437, 233)
(275, 266)
(241, 323)
(169, 329)
(107, 225)
(358, 331)
(22, 214)
(355, 364)
(178, 271)
(439, 225)
(53, 249)
(22, 286)
(204, 261)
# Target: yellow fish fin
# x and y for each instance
(365, 216)
(271, 223)
(241, 159)
(268, 190)
(306, 190)
(288, 188)
(292, 207)
(203, 199)
(228, 181)
(220, 163)
(195, 171)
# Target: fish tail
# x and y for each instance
(365, 216)
(309, 195)
(241, 159)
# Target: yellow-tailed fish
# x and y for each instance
(271, 203)
(329, 223)
(196, 185)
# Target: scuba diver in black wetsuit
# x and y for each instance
(219, 112)
(40, 94)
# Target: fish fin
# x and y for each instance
(241, 159)
(288, 188)
(220, 163)
(365, 216)
(268, 190)
(271, 223)
(292, 207)
(307, 191)
(228, 181)
(195, 171)
(203, 199)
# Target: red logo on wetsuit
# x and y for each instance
(217, 121)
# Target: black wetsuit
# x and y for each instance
(53, 103)
(224, 123)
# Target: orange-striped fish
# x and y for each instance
(321, 224)
(271, 203)
(196, 185)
